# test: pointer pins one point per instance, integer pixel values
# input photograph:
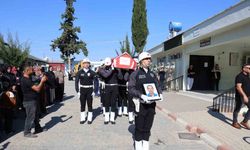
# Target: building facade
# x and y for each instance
(223, 39)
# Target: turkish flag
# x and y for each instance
(124, 61)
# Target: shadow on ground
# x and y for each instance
(65, 98)
(220, 116)
(97, 112)
(55, 120)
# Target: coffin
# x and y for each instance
(124, 61)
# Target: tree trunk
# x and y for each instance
(69, 64)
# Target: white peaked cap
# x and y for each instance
(144, 55)
(85, 60)
(107, 61)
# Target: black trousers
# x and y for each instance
(122, 97)
(144, 121)
(131, 105)
(239, 103)
(7, 119)
(59, 92)
(216, 84)
(111, 93)
(86, 96)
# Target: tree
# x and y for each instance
(68, 43)
(12, 52)
(139, 25)
(125, 47)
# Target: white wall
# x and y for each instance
(226, 18)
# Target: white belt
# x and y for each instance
(122, 85)
(111, 84)
(86, 86)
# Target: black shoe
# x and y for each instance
(82, 122)
(131, 122)
(89, 122)
(112, 122)
(106, 122)
(40, 130)
(30, 135)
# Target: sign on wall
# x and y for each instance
(205, 42)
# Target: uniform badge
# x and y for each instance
(142, 76)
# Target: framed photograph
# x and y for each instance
(151, 91)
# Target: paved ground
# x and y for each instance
(65, 132)
(195, 111)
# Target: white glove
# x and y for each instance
(145, 99)
(137, 104)
(161, 96)
(78, 94)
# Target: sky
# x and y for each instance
(103, 23)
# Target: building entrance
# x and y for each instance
(203, 66)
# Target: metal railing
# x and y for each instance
(175, 84)
(225, 102)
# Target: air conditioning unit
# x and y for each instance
(247, 59)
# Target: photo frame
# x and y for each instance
(151, 92)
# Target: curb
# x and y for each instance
(197, 130)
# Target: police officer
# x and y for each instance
(101, 89)
(110, 76)
(84, 88)
(145, 108)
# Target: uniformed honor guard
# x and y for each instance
(84, 88)
(110, 76)
(144, 106)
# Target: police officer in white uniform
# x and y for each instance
(84, 88)
(144, 107)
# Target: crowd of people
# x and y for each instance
(16, 95)
(125, 92)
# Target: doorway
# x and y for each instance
(203, 66)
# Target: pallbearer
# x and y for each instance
(110, 76)
(84, 88)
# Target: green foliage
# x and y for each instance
(12, 52)
(125, 47)
(139, 25)
(68, 43)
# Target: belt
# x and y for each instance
(86, 86)
(122, 85)
(111, 84)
